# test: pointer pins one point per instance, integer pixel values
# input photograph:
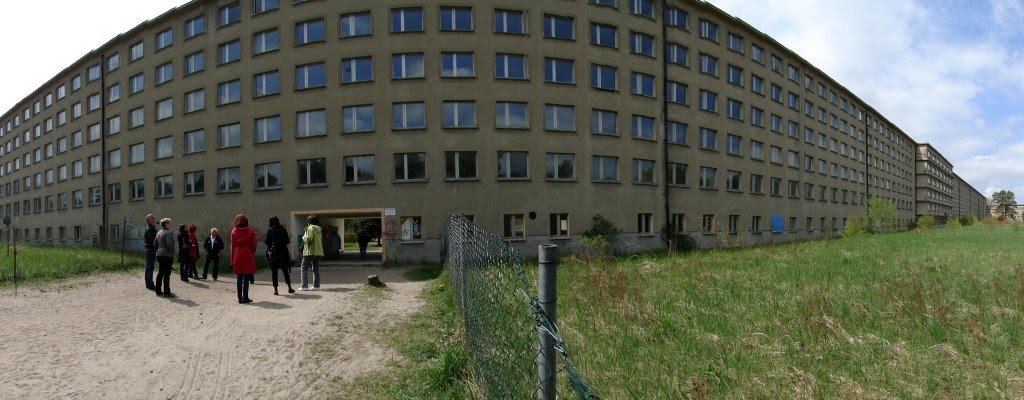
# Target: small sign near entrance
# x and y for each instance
(390, 211)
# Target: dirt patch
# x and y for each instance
(108, 337)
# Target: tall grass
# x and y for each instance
(38, 264)
(934, 314)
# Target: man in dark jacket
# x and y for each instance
(213, 245)
(149, 240)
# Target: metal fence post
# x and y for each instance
(547, 297)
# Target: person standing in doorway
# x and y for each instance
(363, 238)
(277, 241)
(165, 258)
(243, 256)
(312, 250)
(213, 245)
(150, 241)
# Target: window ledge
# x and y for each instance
(318, 185)
(560, 237)
(269, 189)
(359, 183)
(416, 241)
(527, 179)
(462, 180)
(567, 180)
(401, 181)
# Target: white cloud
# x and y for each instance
(945, 72)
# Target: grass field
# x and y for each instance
(38, 264)
(935, 314)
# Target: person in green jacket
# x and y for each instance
(312, 250)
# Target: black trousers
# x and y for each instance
(216, 265)
(242, 284)
(284, 271)
(163, 276)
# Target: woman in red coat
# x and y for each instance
(243, 256)
(193, 251)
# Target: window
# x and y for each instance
(514, 226)
(76, 110)
(411, 228)
(408, 116)
(604, 122)
(509, 21)
(676, 132)
(95, 198)
(708, 139)
(641, 84)
(410, 167)
(708, 101)
(776, 155)
(195, 62)
(164, 109)
(510, 66)
(265, 41)
(310, 76)
(228, 14)
(457, 65)
(164, 39)
(734, 145)
(360, 169)
(406, 20)
(643, 171)
(605, 169)
(408, 65)
(307, 32)
(268, 176)
(195, 141)
(311, 123)
(732, 180)
(708, 64)
(195, 26)
(195, 183)
(357, 118)
(229, 136)
(675, 17)
(641, 44)
(676, 93)
(775, 187)
(558, 71)
(677, 54)
(559, 118)
(734, 109)
(229, 180)
(164, 147)
(677, 174)
(708, 30)
(556, 27)
(359, 69)
(560, 166)
(136, 117)
(95, 166)
(456, 19)
(76, 170)
(757, 84)
(268, 129)
(512, 165)
(136, 153)
(511, 115)
(643, 127)
(136, 191)
(356, 24)
(114, 93)
(603, 77)
(755, 184)
(460, 165)
(229, 52)
(707, 178)
(229, 92)
(91, 74)
(164, 186)
(756, 116)
(735, 75)
(603, 35)
(643, 8)
(113, 63)
(559, 225)
(262, 6)
(313, 172)
(459, 114)
(93, 103)
(776, 124)
(266, 84)
(135, 52)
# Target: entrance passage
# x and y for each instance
(342, 231)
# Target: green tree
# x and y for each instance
(881, 215)
(1006, 204)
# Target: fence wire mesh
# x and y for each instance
(501, 315)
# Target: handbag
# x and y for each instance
(270, 254)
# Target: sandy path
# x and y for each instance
(107, 337)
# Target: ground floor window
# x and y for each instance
(514, 226)
(411, 228)
(559, 225)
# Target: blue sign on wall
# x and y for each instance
(777, 224)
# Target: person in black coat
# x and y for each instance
(277, 242)
(150, 241)
(214, 245)
(185, 261)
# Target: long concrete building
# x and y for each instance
(529, 116)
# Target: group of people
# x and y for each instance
(162, 245)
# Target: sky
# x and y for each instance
(947, 72)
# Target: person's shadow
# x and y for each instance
(184, 302)
(271, 306)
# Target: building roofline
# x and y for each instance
(89, 56)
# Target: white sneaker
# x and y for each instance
(302, 289)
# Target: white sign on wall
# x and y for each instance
(390, 211)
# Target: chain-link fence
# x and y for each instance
(502, 316)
